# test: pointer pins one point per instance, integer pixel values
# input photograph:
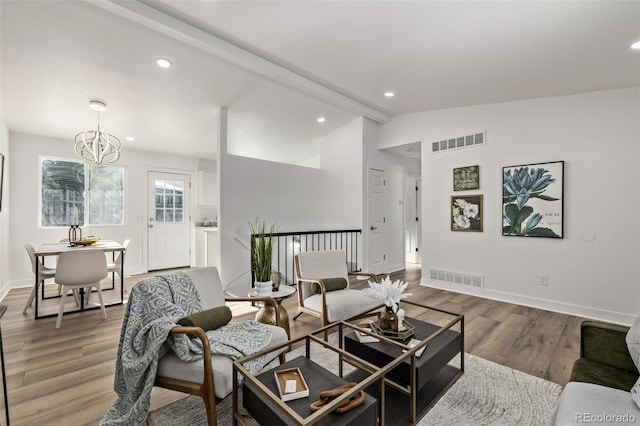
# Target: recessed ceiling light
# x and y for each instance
(97, 105)
(130, 138)
(389, 94)
(163, 63)
(321, 119)
(636, 45)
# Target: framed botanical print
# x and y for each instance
(532, 200)
(465, 178)
(466, 213)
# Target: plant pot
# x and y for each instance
(264, 288)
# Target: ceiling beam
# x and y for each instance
(143, 14)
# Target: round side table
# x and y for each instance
(267, 314)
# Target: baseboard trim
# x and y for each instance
(534, 302)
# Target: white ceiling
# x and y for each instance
(277, 66)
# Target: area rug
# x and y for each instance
(486, 394)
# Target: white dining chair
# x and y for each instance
(43, 274)
(116, 265)
(78, 269)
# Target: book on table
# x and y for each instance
(364, 337)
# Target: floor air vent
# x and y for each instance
(459, 142)
(473, 280)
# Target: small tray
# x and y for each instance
(396, 335)
(295, 375)
(84, 242)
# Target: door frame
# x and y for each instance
(418, 178)
(367, 220)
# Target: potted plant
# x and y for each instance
(261, 255)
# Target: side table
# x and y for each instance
(267, 314)
(420, 381)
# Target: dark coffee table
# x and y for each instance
(261, 399)
(266, 412)
(417, 383)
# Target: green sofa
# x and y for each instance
(604, 357)
(598, 390)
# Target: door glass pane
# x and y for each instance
(169, 200)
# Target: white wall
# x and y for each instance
(5, 261)
(394, 168)
(287, 195)
(25, 153)
(341, 164)
(298, 198)
(598, 136)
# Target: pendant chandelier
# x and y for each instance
(95, 146)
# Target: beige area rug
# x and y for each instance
(487, 394)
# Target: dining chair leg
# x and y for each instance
(102, 308)
(63, 298)
(31, 297)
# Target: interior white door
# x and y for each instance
(411, 218)
(168, 222)
(376, 221)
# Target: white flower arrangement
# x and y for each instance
(388, 292)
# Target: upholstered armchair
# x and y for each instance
(324, 290)
(211, 378)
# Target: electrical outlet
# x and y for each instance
(543, 279)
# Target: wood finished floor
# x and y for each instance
(65, 376)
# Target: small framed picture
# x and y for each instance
(466, 213)
(465, 178)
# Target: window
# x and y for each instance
(95, 192)
(169, 201)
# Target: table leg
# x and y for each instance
(36, 288)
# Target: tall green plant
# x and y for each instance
(262, 249)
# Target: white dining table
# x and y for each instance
(55, 249)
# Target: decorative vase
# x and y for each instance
(276, 277)
(389, 320)
(264, 288)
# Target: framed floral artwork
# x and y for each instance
(466, 213)
(532, 200)
(465, 178)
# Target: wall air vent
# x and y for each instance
(459, 142)
(464, 278)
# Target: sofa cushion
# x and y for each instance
(330, 284)
(605, 343)
(584, 403)
(209, 319)
(589, 371)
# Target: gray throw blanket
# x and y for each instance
(153, 309)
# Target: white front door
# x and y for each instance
(411, 218)
(168, 222)
(376, 221)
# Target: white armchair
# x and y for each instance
(210, 378)
(319, 275)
